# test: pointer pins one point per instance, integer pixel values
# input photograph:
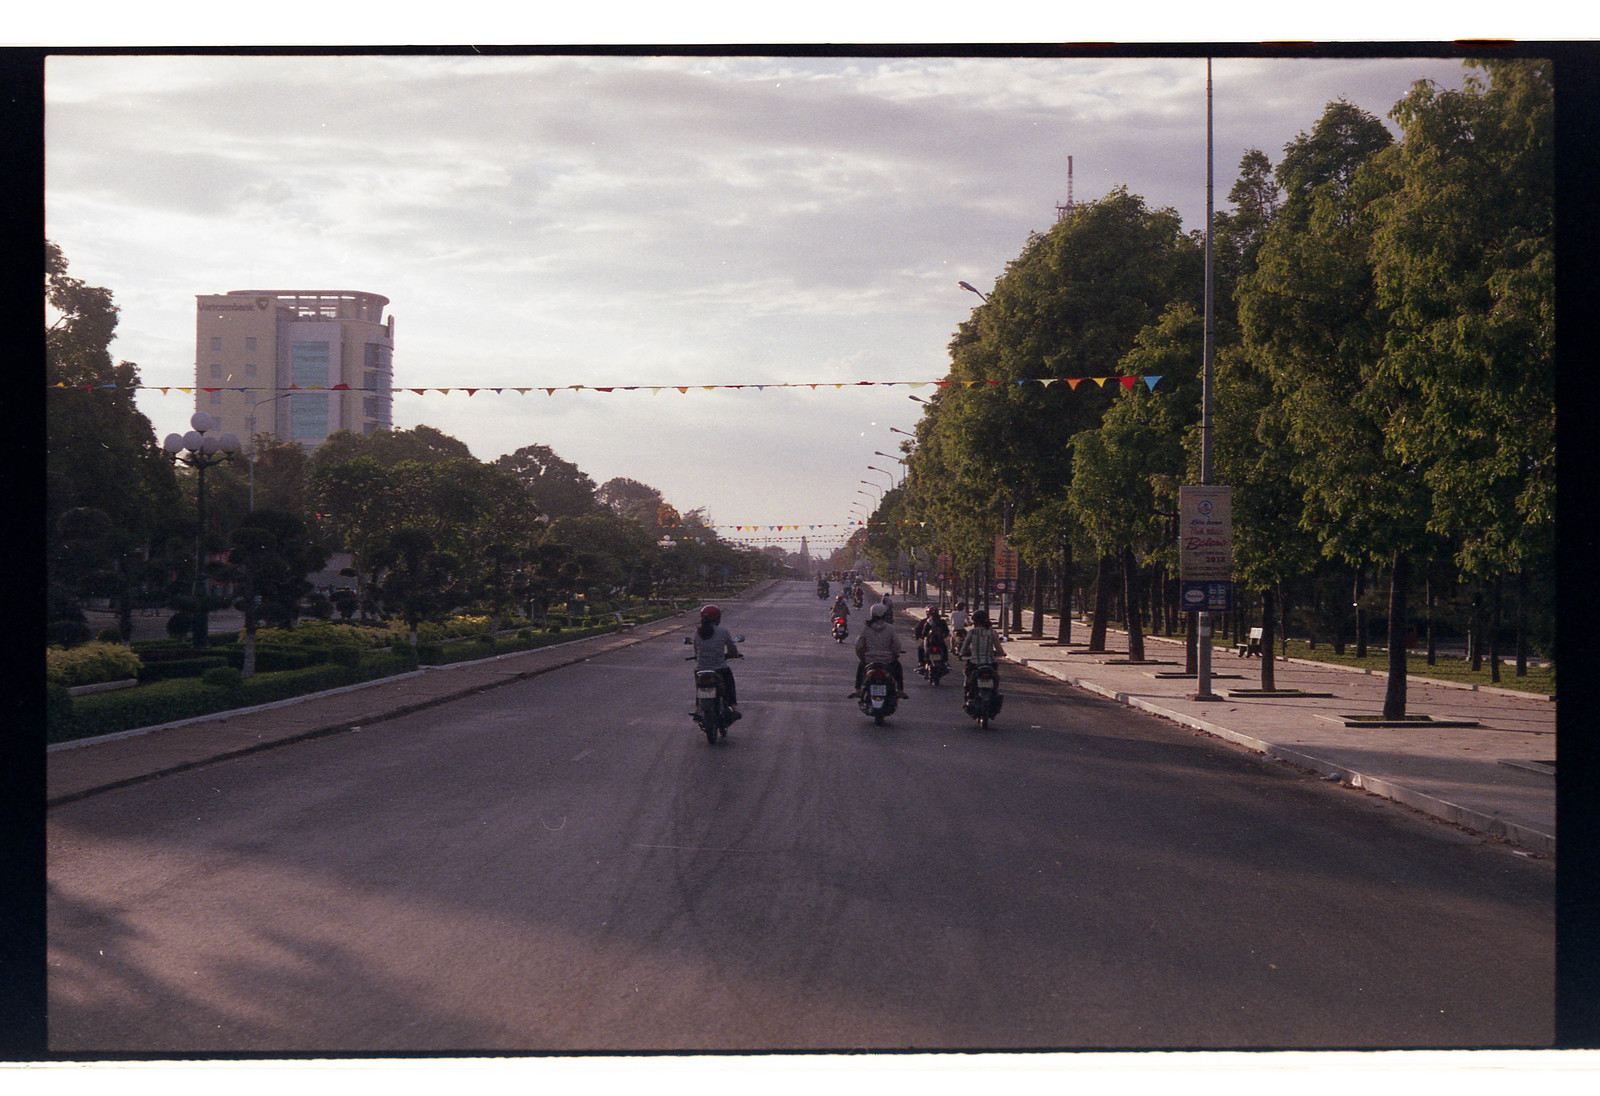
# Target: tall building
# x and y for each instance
(295, 364)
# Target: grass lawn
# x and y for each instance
(1541, 679)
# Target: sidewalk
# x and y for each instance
(79, 768)
(1495, 777)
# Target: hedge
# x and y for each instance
(168, 701)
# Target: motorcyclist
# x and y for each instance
(931, 625)
(859, 593)
(713, 646)
(878, 642)
(981, 646)
(958, 617)
(888, 608)
(841, 608)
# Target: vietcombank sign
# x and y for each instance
(1205, 547)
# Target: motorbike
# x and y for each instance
(879, 694)
(822, 589)
(937, 661)
(840, 629)
(711, 709)
(858, 599)
(982, 701)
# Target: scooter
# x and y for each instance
(840, 629)
(982, 701)
(858, 599)
(822, 589)
(711, 709)
(879, 693)
(937, 663)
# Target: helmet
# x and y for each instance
(981, 618)
(879, 612)
(711, 613)
(933, 610)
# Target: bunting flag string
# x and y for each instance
(1072, 383)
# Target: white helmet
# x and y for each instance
(879, 612)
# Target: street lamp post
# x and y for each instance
(885, 471)
(200, 451)
(250, 433)
(973, 289)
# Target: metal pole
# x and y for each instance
(200, 621)
(1204, 666)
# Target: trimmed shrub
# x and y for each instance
(57, 704)
(109, 635)
(90, 664)
(430, 654)
(168, 669)
(222, 677)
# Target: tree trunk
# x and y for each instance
(1494, 636)
(1268, 680)
(1475, 630)
(1102, 606)
(1361, 611)
(1064, 625)
(1394, 697)
(1522, 622)
(1433, 650)
(1037, 630)
(1130, 586)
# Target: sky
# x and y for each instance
(612, 220)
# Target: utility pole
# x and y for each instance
(1203, 675)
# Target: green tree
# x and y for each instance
(101, 452)
(559, 488)
(630, 499)
(1464, 263)
(1311, 315)
(415, 579)
(269, 560)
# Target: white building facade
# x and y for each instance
(294, 364)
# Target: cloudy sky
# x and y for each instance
(635, 220)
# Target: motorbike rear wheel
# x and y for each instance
(708, 720)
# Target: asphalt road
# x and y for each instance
(564, 864)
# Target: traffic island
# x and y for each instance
(1252, 694)
(1376, 719)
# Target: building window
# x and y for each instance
(249, 397)
(250, 370)
(249, 343)
(216, 398)
(216, 343)
(216, 372)
(308, 415)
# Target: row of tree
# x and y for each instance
(430, 529)
(1383, 392)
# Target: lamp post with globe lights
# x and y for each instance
(201, 450)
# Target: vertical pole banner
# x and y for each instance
(1205, 548)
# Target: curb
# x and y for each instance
(634, 638)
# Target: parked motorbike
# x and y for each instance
(982, 701)
(879, 694)
(711, 709)
(840, 629)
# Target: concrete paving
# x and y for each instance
(1495, 775)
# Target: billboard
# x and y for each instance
(1205, 534)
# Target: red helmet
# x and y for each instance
(711, 613)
